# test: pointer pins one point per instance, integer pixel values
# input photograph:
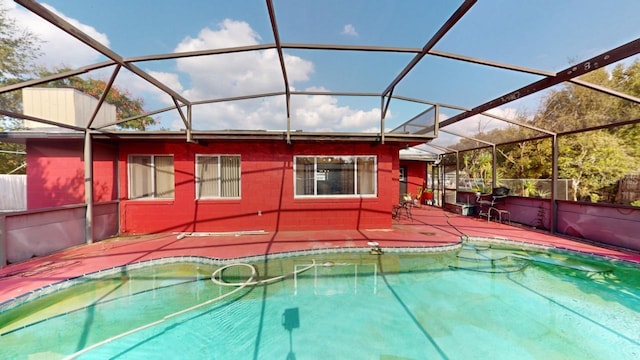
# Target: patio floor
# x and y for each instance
(430, 227)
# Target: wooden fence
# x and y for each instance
(628, 189)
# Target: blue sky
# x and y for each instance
(541, 34)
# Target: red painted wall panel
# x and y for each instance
(266, 189)
(55, 173)
(105, 172)
(416, 174)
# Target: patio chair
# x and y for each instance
(403, 207)
(487, 201)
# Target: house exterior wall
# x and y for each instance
(55, 173)
(267, 199)
(416, 175)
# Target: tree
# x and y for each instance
(18, 49)
(575, 107)
(627, 80)
(478, 165)
(595, 161)
(526, 159)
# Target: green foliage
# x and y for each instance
(12, 158)
(18, 48)
(525, 159)
(574, 107)
(11, 101)
(595, 160)
(529, 188)
(478, 164)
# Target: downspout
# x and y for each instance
(384, 106)
(457, 175)
(494, 165)
(189, 124)
(436, 121)
(435, 190)
(553, 219)
(88, 186)
(382, 120)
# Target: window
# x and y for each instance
(335, 175)
(403, 174)
(217, 176)
(151, 176)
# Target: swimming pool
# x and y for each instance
(481, 301)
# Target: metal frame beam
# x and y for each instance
(287, 90)
(103, 97)
(187, 54)
(448, 25)
(518, 123)
(64, 25)
(88, 186)
(53, 77)
(468, 137)
(495, 64)
(605, 90)
(549, 79)
(39, 120)
(444, 149)
(602, 60)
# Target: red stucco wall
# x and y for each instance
(55, 173)
(266, 187)
(416, 174)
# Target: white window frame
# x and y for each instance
(219, 183)
(355, 194)
(153, 196)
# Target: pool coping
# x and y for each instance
(54, 287)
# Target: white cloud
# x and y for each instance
(246, 73)
(138, 86)
(236, 74)
(480, 123)
(57, 47)
(322, 113)
(359, 119)
(169, 79)
(349, 30)
(212, 77)
(507, 113)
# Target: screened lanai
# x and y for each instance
(480, 86)
(464, 63)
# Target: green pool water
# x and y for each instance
(479, 302)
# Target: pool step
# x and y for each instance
(479, 260)
(568, 263)
(485, 259)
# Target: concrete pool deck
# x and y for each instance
(430, 227)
